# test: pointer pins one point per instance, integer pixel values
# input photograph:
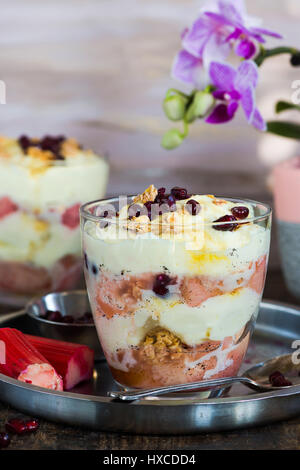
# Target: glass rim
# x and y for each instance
(96, 218)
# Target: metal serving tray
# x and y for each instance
(88, 406)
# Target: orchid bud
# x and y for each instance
(174, 107)
(200, 106)
(172, 139)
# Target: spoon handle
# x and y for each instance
(11, 316)
(204, 384)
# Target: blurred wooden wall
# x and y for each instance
(98, 70)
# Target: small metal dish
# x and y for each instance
(74, 303)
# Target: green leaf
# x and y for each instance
(284, 129)
(285, 105)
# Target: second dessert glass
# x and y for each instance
(174, 295)
(43, 182)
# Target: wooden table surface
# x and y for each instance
(283, 435)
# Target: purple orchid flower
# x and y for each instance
(234, 87)
(189, 69)
(222, 24)
(232, 13)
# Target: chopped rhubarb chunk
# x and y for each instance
(25, 363)
(7, 206)
(70, 217)
(74, 362)
(23, 278)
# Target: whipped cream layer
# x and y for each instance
(25, 239)
(38, 183)
(193, 245)
(154, 254)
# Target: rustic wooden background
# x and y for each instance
(98, 70)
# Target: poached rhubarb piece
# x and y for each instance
(7, 206)
(25, 363)
(28, 279)
(70, 218)
(74, 362)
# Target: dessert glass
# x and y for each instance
(43, 182)
(174, 307)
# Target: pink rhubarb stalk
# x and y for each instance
(25, 363)
(74, 362)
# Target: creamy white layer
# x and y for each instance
(228, 252)
(32, 186)
(24, 239)
(216, 318)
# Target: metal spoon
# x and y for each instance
(256, 378)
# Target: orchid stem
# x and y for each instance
(266, 53)
(185, 129)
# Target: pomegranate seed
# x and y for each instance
(160, 284)
(240, 212)
(193, 207)
(161, 196)
(106, 213)
(4, 440)
(54, 316)
(161, 191)
(32, 425)
(225, 227)
(67, 319)
(277, 379)
(94, 269)
(24, 142)
(86, 318)
(20, 426)
(148, 206)
(179, 193)
(16, 426)
(172, 203)
(50, 143)
(103, 224)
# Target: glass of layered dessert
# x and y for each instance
(175, 282)
(43, 182)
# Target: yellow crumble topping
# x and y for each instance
(69, 148)
(160, 342)
(44, 155)
(148, 195)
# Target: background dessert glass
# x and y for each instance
(286, 186)
(43, 182)
(166, 311)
